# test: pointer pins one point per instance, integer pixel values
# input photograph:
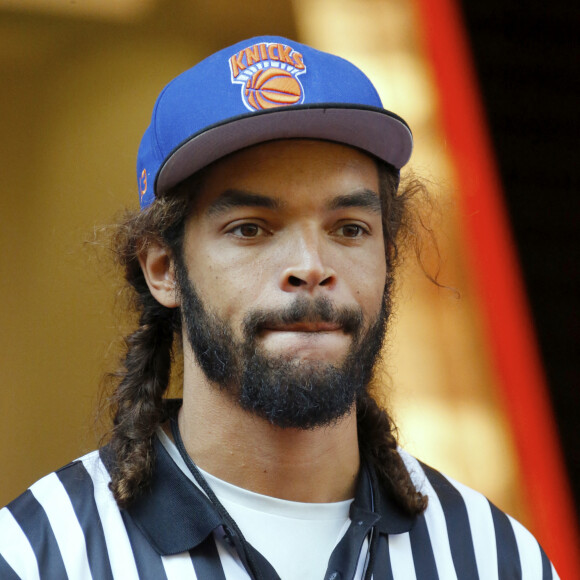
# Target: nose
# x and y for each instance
(306, 268)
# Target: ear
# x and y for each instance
(158, 269)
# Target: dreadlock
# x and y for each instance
(143, 377)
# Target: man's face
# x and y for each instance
(283, 276)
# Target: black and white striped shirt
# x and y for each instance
(67, 525)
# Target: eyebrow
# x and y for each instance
(364, 198)
(231, 198)
(239, 198)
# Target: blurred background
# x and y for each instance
(485, 387)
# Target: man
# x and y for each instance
(265, 248)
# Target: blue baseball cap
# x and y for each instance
(259, 90)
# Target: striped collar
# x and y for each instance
(175, 515)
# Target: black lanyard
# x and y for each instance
(344, 558)
(256, 565)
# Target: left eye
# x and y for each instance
(351, 231)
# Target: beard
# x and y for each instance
(289, 393)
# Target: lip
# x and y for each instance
(305, 327)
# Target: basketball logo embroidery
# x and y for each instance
(143, 183)
(268, 73)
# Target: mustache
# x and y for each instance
(320, 309)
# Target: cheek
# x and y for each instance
(368, 278)
(230, 285)
(370, 294)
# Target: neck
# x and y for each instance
(317, 465)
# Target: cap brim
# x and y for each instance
(376, 131)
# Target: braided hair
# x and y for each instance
(143, 377)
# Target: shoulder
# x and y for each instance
(52, 518)
(463, 523)
(71, 482)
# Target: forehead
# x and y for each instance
(301, 171)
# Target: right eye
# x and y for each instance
(247, 230)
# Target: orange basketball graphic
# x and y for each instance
(272, 87)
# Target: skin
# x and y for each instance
(270, 222)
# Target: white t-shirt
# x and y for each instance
(277, 528)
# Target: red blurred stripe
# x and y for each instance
(497, 274)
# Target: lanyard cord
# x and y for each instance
(251, 564)
(230, 522)
(374, 536)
